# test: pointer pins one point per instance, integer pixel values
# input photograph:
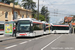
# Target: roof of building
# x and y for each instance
(73, 23)
(16, 6)
(67, 19)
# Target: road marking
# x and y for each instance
(41, 37)
(10, 46)
(33, 39)
(1, 35)
(23, 42)
(51, 42)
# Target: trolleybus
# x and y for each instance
(1, 27)
(29, 27)
(60, 29)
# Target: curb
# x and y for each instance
(7, 39)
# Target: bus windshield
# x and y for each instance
(60, 28)
(23, 26)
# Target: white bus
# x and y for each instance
(60, 29)
(46, 27)
(1, 27)
(29, 27)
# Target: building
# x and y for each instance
(71, 21)
(6, 12)
(67, 19)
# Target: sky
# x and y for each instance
(61, 8)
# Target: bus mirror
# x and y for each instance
(31, 24)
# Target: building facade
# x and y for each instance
(6, 12)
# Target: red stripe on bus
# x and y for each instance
(61, 25)
(37, 23)
(46, 24)
(1, 29)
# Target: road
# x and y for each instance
(45, 42)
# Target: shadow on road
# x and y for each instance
(59, 33)
(30, 37)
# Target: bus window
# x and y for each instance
(37, 27)
(1, 26)
(23, 26)
(60, 28)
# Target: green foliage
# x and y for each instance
(45, 12)
(41, 17)
(73, 18)
(29, 5)
(34, 13)
(9, 1)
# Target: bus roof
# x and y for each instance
(2, 22)
(33, 20)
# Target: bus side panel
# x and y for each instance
(38, 32)
(60, 31)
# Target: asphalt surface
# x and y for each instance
(45, 42)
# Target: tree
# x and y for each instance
(73, 18)
(45, 12)
(29, 5)
(9, 1)
(41, 17)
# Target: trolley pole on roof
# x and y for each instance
(38, 9)
(13, 9)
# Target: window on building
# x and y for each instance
(6, 14)
(22, 16)
(15, 15)
(27, 16)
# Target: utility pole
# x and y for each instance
(38, 9)
(13, 9)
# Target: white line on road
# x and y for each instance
(10, 46)
(23, 42)
(41, 37)
(51, 42)
(1, 35)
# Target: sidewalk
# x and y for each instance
(5, 38)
